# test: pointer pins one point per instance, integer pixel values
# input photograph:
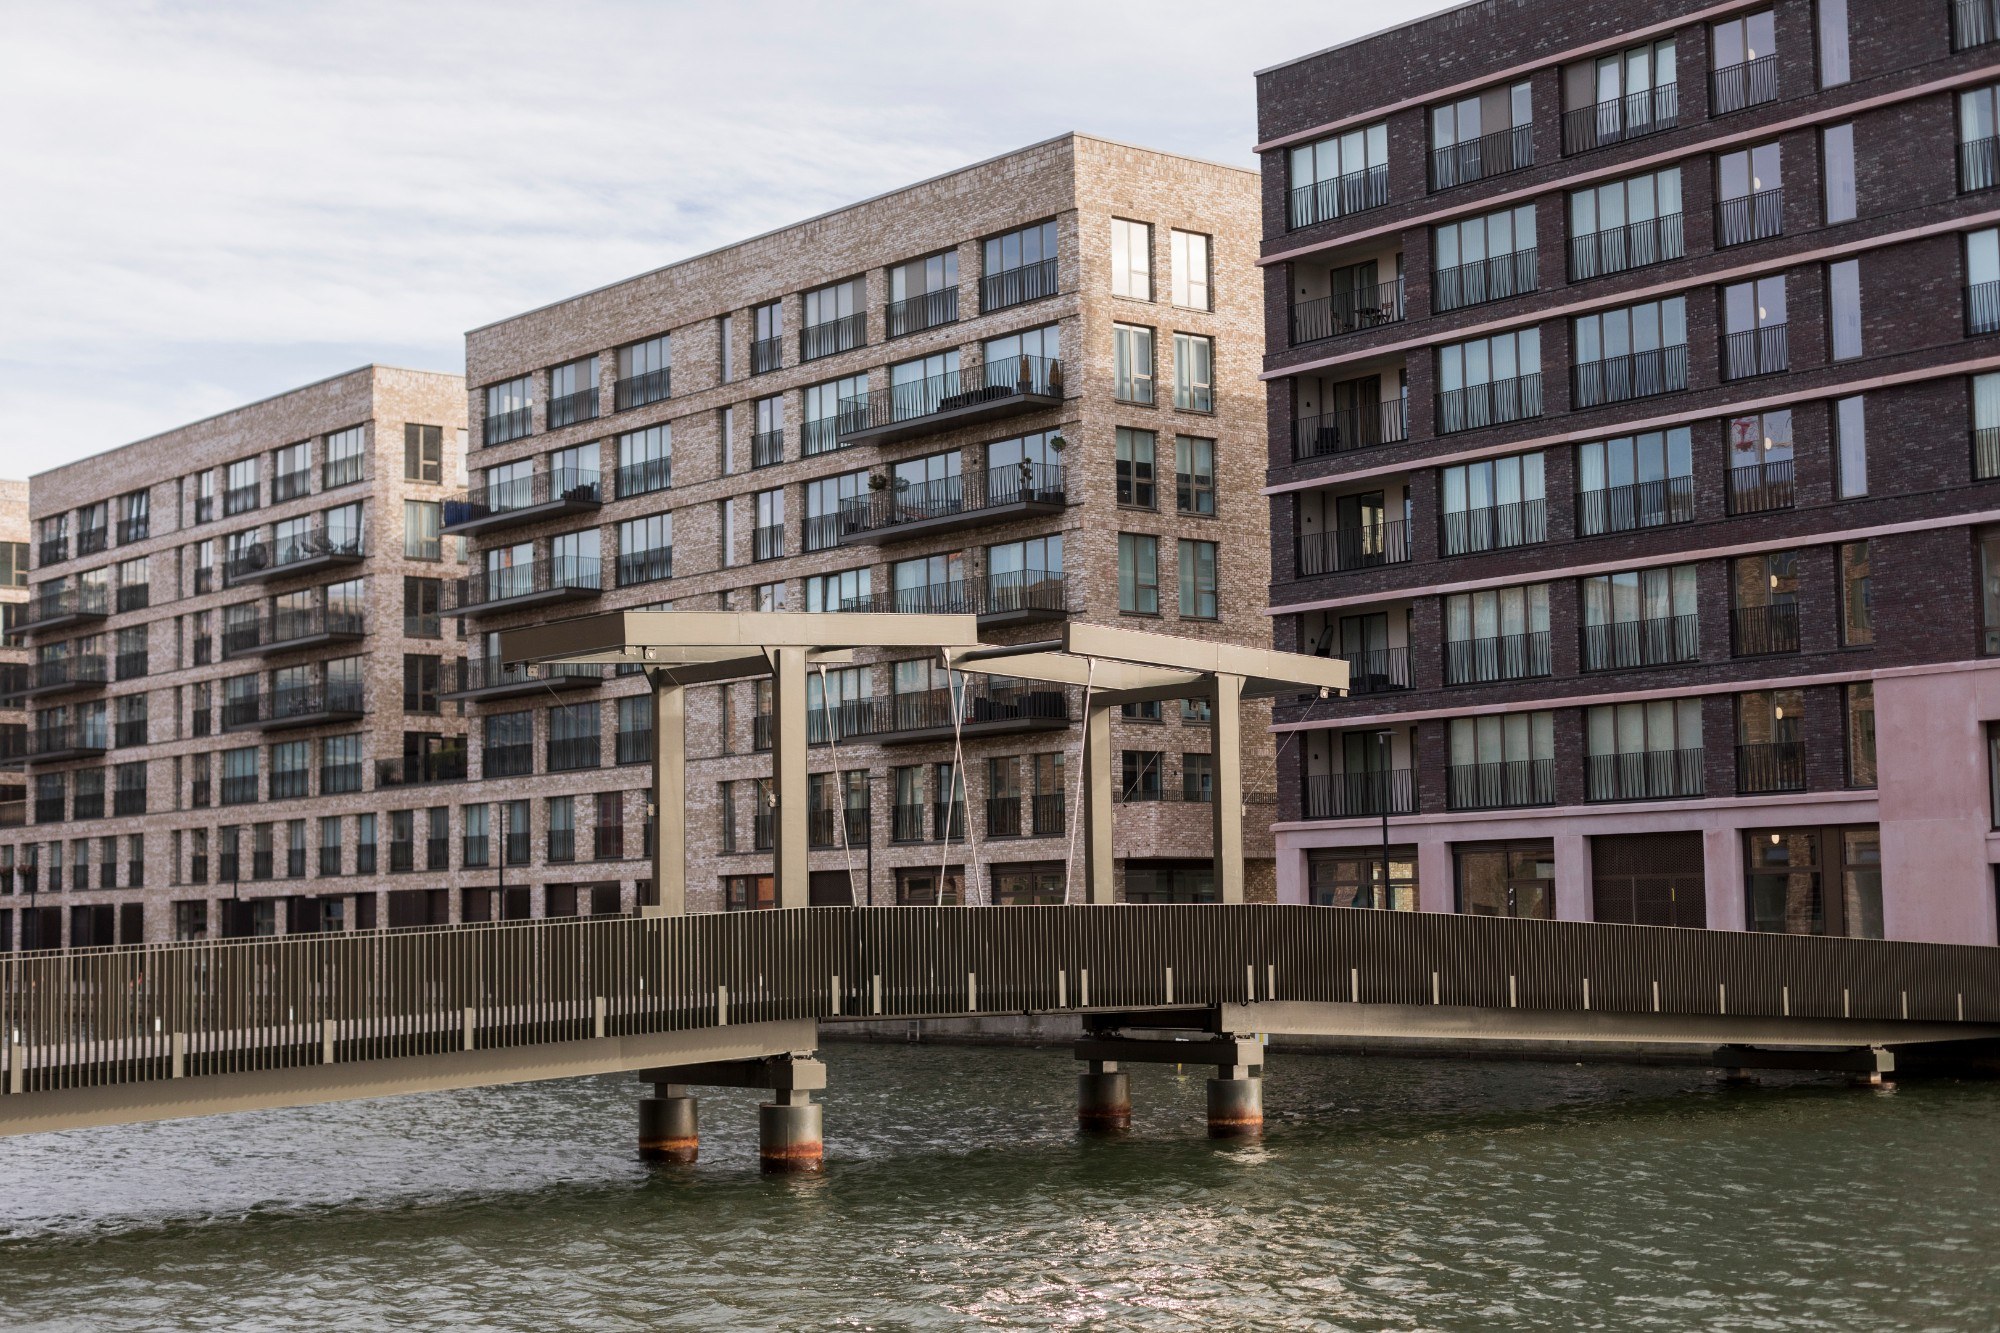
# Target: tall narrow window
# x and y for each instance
(1138, 573)
(1985, 426)
(1837, 154)
(1857, 615)
(1843, 294)
(1861, 734)
(1194, 372)
(1194, 474)
(1982, 281)
(1833, 69)
(1746, 63)
(1131, 259)
(1132, 363)
(1134, 464)
(423, 452)
(1750, 195)
(1850, 431)
(1191, 271)
(1198, 580)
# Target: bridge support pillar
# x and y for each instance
(669, 1125)
(789, 1138)
(1235, 1103)
(1103, 1099)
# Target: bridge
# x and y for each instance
(150, 1032)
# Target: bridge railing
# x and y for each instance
(103, 1017)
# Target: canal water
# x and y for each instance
(1387, 1194)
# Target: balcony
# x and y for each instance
(504, 426)
(529, 499)
(1974, 23)
(918, 313)
(1618, 379)
(314, 551)
(65, 675)
(490, 678)
(422, 770)
(637, 390)
(1757, 631)
(89, 541)
(296, 706)
(1493, 154)
(1750, 217)
(1348, 312)
(287, 486)
(1017, 286)
(1982, 308)
(51, 551)
(1761, 487)
(293, 630)
(1738, 87)
(833, 336)
(74, 740)
(1641, 504)
(1344, 431)
(65, 607)
(1751, 352)
(767, 448)
(1360, 795)
(1495, 527)
(240, 500)
(1501, 657)
(825, 828)
(1366, 546)
(955, 398)
(984, 709)
(644, 476)
(951, 504)
(543, 582)
(1491, 404)
(1770, 766)
(1645, 775)
(1377, 670)
(1634, 245)
(1985, 453)
(1483, 280)
(1496, 786)
(766, 355)
(1978, 164)
(1621, 119)
(1015, 597)
(1356, 192)
(1624, 644)
(570, 408)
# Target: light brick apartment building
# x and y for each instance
(235, 657)
(13, 652)
(1614, 350)
(1025, 389)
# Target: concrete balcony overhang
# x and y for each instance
(514, 684)
(495, 520)
(53, 688)
(525, 600)
(316, 717)
(970, 728)
(300, 643)
(68, 618)
(65, 753)
(316, 563)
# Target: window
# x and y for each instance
(1833, 69)
(420, 682)
(825, 498)
(1493, 504)
(508, 415)
(1341, 174)
(1487, 381)
(240, 494)
(1765, 591)
(514, 815)
(609, 826)
(1353, 878)
(823, 407)
(836, 319)
(1515, 879)
(13, 564)
(1132, 363)
(1643, 751)
(1760, 463)
(1837, 154)
(1632, 352)
(510, 744)
(1134, 464)
(1860, 699)
(635, 729)
(1191, 271)
(562, 828)
(1484, 258)
(291, 765)
(1025, 362)
(1857, 619)
(768, 536)
(573, 737)
(1194, 474)
(1982, 281)
(1500, 760)
(844, 591)
(1139, 775)
(1850, 435)
(923, 294)
(1978, 146)
(1753, 319)
(1641, 617)
(1197, 570)
(239, 775)
(340, 765)
(1814, 881)
(1138, 574)
(422, 530)
(135, 584)
(1194, 372)
(423, 452)
(473, 847)
(1484, 135)
(1985, 426)
(1843, 293)
(767, 438)
(1746, 63)
(292, 472)
(1131, 259)
(1620, 96)
(645, 549)
(340, 458)
(1497, 634)
(1019, 267)
(918, 387)
(767, 345)
(1635, 481)
(645, 460)
(645, 372)
(1770, 745)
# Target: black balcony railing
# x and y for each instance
(137, 529)
(443, 765)
(1017, 286)
(1376, 670)
(1986, 452)
(340, 777)
(970, 705)
(767, 542)
(1974, 23)
(132, 665)
(953, 391)
(550, 574)
(319, 542)
(645, 566)
(949, 497)
(1353, 795)
(767, 447)
(559, 486)
(766, 355)
(948, 820)
(130, 732)
(1356, 192)
(906, 823)
(134, 596)
(1619, 119)
(1364, 546)
(1353, 428)
(638, 390)
(1759, 487)
(1979, 164)
(1520, 523)
(239, 789)
(474, 674)
(1750, 217)
(1615, 379)
(825, 827)
(573, 752)
(291, 625)
(77, 671)
(1003, 816)
(335, 472)
(1642, 775)
(833, 335)
(1758, 351)
(1641, 504)
(51, 551)
(62, 603)
(504, 426)
(1348, 312)
(1489, 404)
(89, 541)
(570, 408)
(1511, 782)
(1502, 657)
(650, 474)
(1755, 631)
(1049, 812)
(1484, 280)
(1492, 154)
(1002, 593)
(511, 760)
(819, 437)
(306, 701)
(241, 636)
(1771, 766)
(1982, 308)
(44, 742)
(918, 313)
(1634, 245)
(1641, 643)
(760, 731)
(239, 499)
(1738, 87)
(289, 485)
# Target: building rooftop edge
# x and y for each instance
(846, 208)
(1369, 37)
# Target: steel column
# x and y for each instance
(1100, 885)
(669, 797)
(788, 776)
(1225, 730)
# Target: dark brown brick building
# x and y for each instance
(1613, 352)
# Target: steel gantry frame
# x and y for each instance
(1112, 666)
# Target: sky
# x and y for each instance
(209, 203)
